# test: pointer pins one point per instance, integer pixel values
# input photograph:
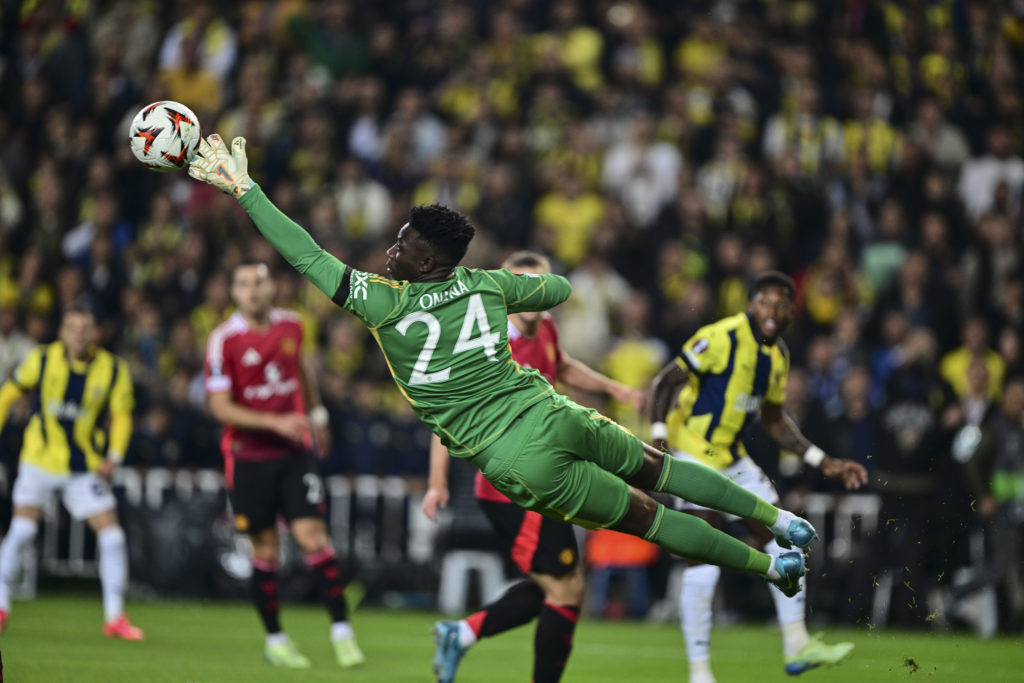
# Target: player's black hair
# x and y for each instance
(527, 259)
(448, 231)
(249, 261)
(773, 278)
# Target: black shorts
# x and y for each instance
(534, 542)
(265, 488)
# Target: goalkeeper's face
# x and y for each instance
(253, 290)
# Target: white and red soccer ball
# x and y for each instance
(164, 135)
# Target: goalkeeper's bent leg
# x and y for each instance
(702, 485)
(691, 537)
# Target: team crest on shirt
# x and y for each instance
(241, 522)
(701, 346)
(288, 346)
(251, 357)
(567, 556)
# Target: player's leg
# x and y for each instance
(304, 507)
(23, 528)
(697, 483)
(556, 625)
(88, 496)
(546, 550)
(548, 475)
(696, 596)
(32, 487)
(253, 492)
(518, 532)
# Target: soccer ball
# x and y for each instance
(164, 135)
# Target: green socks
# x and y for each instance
(693, 538)
(704, 486)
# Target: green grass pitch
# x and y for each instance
(57, 638)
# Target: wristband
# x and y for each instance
(813, 456)
(115, 457)
(659, 430)
(319, 417)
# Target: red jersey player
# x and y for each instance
(259, 389)
(543, 548)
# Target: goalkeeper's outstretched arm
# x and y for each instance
(228, 171)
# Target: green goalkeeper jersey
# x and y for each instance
(446, 343)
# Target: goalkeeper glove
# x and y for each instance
(227, 170)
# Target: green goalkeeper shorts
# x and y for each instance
(564, 461)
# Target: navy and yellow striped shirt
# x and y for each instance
(731, 375)
(71, 402)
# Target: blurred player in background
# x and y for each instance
(731, 370)
(258, 386)
(542, 548)
(68, 448)
(443, 330)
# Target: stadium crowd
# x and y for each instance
(661, 153)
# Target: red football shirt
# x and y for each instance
(261, 370)
(542, 353)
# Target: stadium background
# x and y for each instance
(660, 152)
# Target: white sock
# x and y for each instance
(466, 635)
(695, 600)
(278, 638)
(22, 531)
(781, 525)
(789, 611)
(700, 672)
(113, 570)
(341, 630)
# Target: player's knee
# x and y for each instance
(23, 529)
(570, 588)
(650, 469)
(111, 538)
(640, 515)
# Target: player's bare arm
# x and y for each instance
(664, 390)
(226, 411)
(319, 418)
(784, 432)
(437, 480)
(579, 376)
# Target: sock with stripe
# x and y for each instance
(552, 642)
(695, 611)
(324, 566)
(692, 537)
(702, 485)
(263, 590)
(520, 604)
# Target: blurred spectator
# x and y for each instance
(14, 344)
(955, 364)
(981, 177)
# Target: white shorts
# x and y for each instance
(84, 493)
(744, 472)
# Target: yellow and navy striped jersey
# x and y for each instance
(71, 401)
(731, 375)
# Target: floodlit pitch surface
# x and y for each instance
(57, 638)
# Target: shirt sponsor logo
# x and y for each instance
(435, 298)
(273, 386)
(360, 284)
(745, 403)
(251, 357)
(64, 410)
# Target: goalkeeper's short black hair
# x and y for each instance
(773, 278)
(448, 231)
